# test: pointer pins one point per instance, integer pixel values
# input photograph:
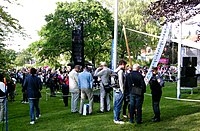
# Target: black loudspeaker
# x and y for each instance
(77, 47)
(189, 61)
(188, 81)
(188, 71)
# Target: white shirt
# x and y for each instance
(73, 81)
(3, 88)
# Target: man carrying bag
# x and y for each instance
(136, 87)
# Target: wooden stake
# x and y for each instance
(127, 47)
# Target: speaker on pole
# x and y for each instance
(77, 47)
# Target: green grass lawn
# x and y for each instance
(175, 115)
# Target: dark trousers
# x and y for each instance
(156, 104)
(25, 98)
(52, 91)
(126, 104)
(136, 101)
(65, 99)
(65, 91)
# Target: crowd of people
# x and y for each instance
(128, 92)
(79, 83)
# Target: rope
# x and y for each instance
(95, 89)
(57, 94)
(143, 33)
(171, 98)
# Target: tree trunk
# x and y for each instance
(93, 61)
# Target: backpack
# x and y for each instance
(114, 80)
(162, 82)
(2, 93)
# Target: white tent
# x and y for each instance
(188, 43)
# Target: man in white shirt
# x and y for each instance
(74, 89)
(2, 95)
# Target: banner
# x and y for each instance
(112, 55)
(159, 51)
(164, 60)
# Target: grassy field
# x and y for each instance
(175, 115)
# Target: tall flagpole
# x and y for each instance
(115, 41)
(179, 60)
(115, 36)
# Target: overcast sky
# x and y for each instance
(31, 14)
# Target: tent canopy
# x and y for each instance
(189, 43)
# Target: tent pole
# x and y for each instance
(115, 35)
(127, 47)
(179, 60)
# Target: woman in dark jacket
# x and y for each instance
(33, 86)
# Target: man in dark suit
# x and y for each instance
(136, 89)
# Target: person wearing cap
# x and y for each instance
(73, 88)
(156, 90)
(104, 73)
(135, 80)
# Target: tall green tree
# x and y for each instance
(170, 10)
(7, 58)
(97, 25)
(23, 58)
(131, 14)
(8, 26)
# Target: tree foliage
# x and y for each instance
(56, 35)
(8, 24)
(23, 57)
(170, 10)
(7, 58)
(131, 15)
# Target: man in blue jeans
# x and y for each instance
(119, 92)
(32, 84)
(133, 80)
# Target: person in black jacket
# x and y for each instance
(33, 85)
(136, 88)
(156, 90)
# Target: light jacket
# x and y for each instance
(85, 80)
(104, 74)
(120, 74)
(73, 81)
